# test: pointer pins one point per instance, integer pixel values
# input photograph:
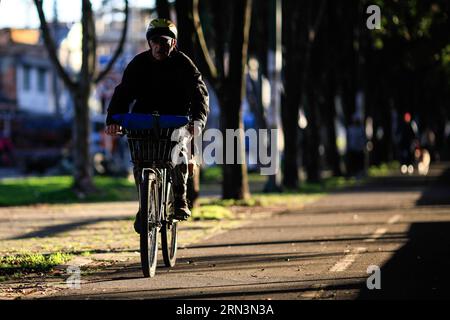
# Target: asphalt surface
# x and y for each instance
(393, 233)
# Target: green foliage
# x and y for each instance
(412, 22)
(213, 174)
(211, 212)
(285, 199)
(410, 59)
(327, 185)
(383, 169)
(263, 200)
(446, 57)
(251, 202)
(32, 262)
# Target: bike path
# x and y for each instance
(399, 224)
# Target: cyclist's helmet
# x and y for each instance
(161, 27)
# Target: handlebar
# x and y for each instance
(123, 131)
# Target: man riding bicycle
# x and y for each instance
(164, 80)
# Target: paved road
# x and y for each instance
(400, 224)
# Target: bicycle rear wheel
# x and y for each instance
(169, 231)
(148, 201)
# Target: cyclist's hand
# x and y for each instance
(194, 129)
(113, 130)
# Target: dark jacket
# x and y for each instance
(172, 86)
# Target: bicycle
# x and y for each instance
(151, 149)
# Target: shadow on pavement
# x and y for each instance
(221, 291)
(439, 193)
(249, 290)
(53, 230)
(356, 238)
(223, 262)
(421, 268)
(390, 184)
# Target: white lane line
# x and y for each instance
(394, 219)
(376, 235)
(347, 260)
(350, 258)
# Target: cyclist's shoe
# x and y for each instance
(137, 223)
(181, 210)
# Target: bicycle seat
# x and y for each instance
(141, 121)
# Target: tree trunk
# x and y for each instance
(83, 172)
(291, 96)
(333, 154)
(186, 40)
(274, 68)
(329, 44)
(163, 9)
(290, 128)
(186, 31)
(235, 181)
(309, 81)
(230, 87)
(313, 159)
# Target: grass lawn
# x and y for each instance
(57, 190)
(53, 190)
(384, 169)
(307, 192)
(31, 262)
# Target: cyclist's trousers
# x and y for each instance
(179, 177)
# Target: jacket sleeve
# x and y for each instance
(124, 94)
(199, 96)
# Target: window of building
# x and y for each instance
(26, 77)
(42, 80)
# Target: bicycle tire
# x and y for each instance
(169, 236)
(148, 240)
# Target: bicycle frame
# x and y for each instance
(151, 155)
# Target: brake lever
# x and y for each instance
(122, 132)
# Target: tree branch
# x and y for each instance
(119, 48)
(312, 33)
(93, 45)
(239, 42)
(186, 32)
(51, 47)
(211, 68)
(319, 16)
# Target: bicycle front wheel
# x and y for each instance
(169, 231)
(148, 202)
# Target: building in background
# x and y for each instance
(35, 108)
(26, 72)
(26, 75)
(28, 97)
